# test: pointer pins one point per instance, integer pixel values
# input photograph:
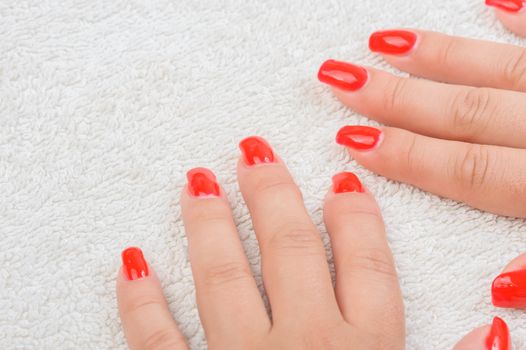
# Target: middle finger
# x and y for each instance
(294, 263)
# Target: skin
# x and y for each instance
(363, 311)
(460, 138)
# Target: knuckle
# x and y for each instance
(294, 240)
(283, 186)
(141, 302)
(471, 167)
(394, 93)
(227, 273)
(163, 339)
(515, 69)
(210, 213)
(412, 158)
(470, 110)
(447, 49)
(376, 261)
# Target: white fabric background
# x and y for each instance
(105, 104)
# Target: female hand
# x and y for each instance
(363, 311)
(461, 134)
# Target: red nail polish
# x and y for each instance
(135, 266)
(346, 182)
(256, 150)
(509, 289)
(507, 5)
(358, 137)
(202, 182)
(342, 75)
(392, 42)
(499, 336)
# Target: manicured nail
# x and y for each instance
(392, 42)
(342, 75)
(256, 150)
(358, 137)
(346, 182)
(507, 5)
(202, 183)
(135, 266)
(509, 289)
(499, 336)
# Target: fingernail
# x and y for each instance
(392, 42)
(256, 150)
(135, 267)
(346, 182)
(507, 5)
(342, 75)
(202, 183)
(358, 137)
(499, 336)
(509, 289)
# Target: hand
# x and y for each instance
(363, 311)
(461, 136)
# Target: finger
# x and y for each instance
(509, 288)
(294, 265)
(491, 178)
(511, 13)
(146, 320)
(367, 287)
(230, 306)
(479, 115)
(495, 337)
(453, 59)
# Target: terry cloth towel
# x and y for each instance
(104, 105)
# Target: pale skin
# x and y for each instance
(462, 138)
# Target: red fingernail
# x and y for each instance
(342, 75)
(358, 137)
(507, 5)
(393, 42)
(135, 266)
(346, 182)
(499, 336)
(202, 183)
(509, 289)
(256, 150)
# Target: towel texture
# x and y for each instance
(105, 104)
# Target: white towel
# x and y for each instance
(105, 104)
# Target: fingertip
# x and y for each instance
(346, 182)
(348, 194)
(495, 336)
(474, 340)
